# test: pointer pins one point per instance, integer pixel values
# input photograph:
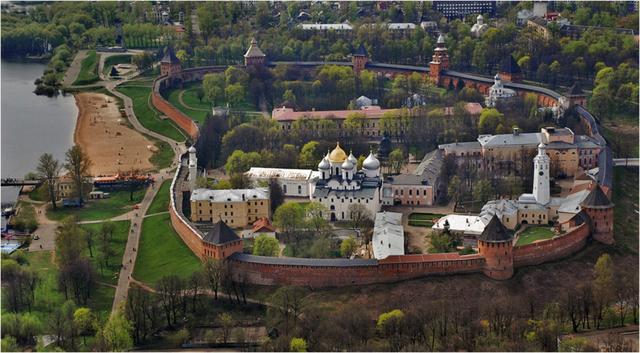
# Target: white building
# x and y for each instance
(294, 182)
(340, 184)
(193, 168)
(467, 225)
(498, 92)
(388, 235)
(478, 28)
(326, 27)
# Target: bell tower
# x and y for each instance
(541, 176)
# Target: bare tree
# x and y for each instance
(213, 271)
(48, 169)
(78, 165)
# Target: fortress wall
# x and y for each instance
(551, 249)
(183, 121)
(391, 270)
(189, 237)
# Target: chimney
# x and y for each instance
(516, 131)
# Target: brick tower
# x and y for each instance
(254, 56)
(439, 61)
(495, 244)
(576, 96)
(359, 59)
(510, 70)
(600, 210)
(170, 64)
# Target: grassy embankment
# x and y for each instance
(148, 117)
(423, 219)
(118, 203)
(161, 251)
(88, 69)
(625, 198)
(161, 202)
(532, 234)
(114, 60)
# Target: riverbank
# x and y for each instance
(106, 137)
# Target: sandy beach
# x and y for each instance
(104, 135)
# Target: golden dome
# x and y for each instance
(337, 155)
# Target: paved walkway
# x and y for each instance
(74, 69)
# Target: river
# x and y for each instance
(31, 125)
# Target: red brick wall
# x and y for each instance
(399, 268)
(551, 249)
(190, 238)
(498, 258)
(183, 121)
(602, 221)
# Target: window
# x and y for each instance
(299, 189)
(284, 188)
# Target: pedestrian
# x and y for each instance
(40, 246)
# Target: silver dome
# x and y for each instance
(371, 162)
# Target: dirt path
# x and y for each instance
(188, 106)
(104, 136)
(74, 69)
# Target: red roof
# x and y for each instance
(472, 108)
(286, 114)
(262, 225)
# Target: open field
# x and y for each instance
(148, 117)
(625, 198)
(103, 134)
(118, 203)
(88, 69)
(109, 273)
(423, 219)
(162, 253)
(533, 234)
(160, 202)
(199, 114)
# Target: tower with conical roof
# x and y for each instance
(600, 210)
(359, 59)
(439, 60)
(541, 163)
(170, 65)
(495, 244)
(254, 56)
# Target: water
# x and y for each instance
(31, 125)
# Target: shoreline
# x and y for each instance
(104, 136)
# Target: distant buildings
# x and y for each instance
(458, 9)
(254, 56)
(388, 235)
(478, 28)
(170, 65)
(410, 190)
(237, 208)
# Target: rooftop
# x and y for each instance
(220, 234)
(254, 51)
(288, 114)
(388, 235)
(230, 195)
(461, 223)
(596, 199)
(406, 179)
(495, 231)
(283, 173)
(170, 57)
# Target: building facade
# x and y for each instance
(341, 185)
(498, 92)
(170, 65)
(294, 182)
(237, 208)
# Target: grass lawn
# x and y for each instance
(118, 203)
(88, 69)
(109, 274)
(163, 157)
(160, 203)
(115, 60)
(625, 198)
(532, 234)
(423, 219)
(162, 252)
(148, 117)
(173, 96)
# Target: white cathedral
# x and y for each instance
(498, 92)
(340, 184)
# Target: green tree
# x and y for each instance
(308, 157)
(289, 97)
(214, 87)
(489, 120)
(603, 285)
(320, 248)
(78, 164)
(264, 245)
(115, 336)
(390, 325)
(316, 216)
(396, 160)
(48, 169)
(289, 217)
(297, 345)
(347, 247)
(226, 322)
(454, 190)
(85, 322)
(483, 191)
(200, 94)
(235, 94)
(9, 344)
